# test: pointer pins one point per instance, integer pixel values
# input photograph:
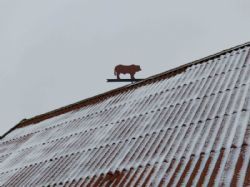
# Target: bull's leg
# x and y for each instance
(118, 75)
(132, 76)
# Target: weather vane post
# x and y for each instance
(125, 69)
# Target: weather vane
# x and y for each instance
(126, 69)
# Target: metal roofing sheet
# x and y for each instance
(190, 129)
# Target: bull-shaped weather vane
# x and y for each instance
(125, 69)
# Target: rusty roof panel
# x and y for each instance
(189, 129)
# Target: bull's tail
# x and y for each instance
(115, 73)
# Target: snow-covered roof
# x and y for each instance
(188, 126)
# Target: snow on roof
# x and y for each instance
(189, 126)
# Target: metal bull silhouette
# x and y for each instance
(126, 69)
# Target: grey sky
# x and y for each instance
(56, 52)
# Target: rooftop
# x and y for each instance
(187, 126)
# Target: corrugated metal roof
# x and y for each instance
(188, 129)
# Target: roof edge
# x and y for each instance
(105, 95)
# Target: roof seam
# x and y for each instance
(128, 117)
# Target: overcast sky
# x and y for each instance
(56, 52)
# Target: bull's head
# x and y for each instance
(138, 68)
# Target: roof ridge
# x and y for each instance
(102, 96)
